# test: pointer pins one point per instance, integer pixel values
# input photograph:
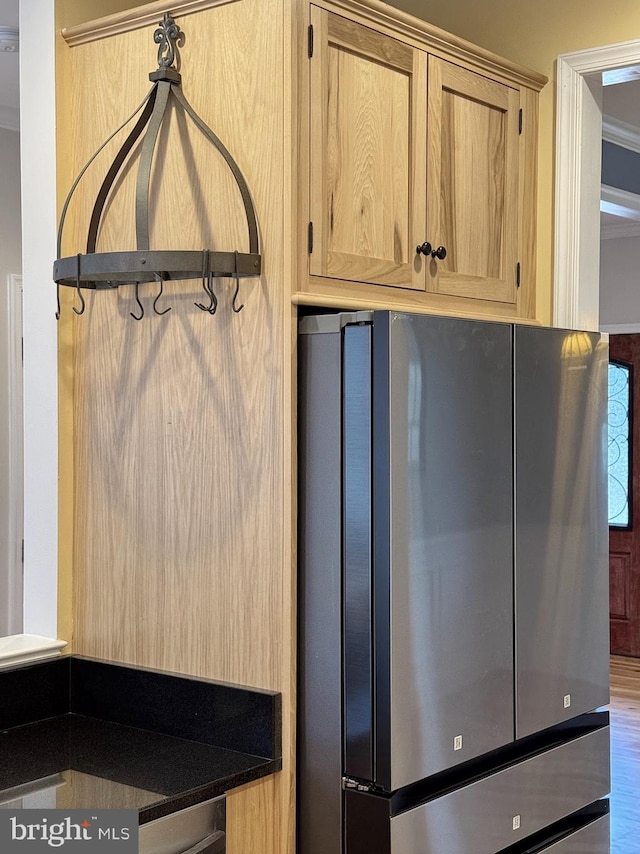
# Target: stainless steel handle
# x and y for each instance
(212, 844)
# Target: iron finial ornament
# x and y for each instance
(168, 36)
(108, 270)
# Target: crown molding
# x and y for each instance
(373, 12)
(620, 202)
(9, 118)
(621, 133)
(133, 19)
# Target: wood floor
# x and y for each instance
(625, 755)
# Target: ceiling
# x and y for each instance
(9, 89)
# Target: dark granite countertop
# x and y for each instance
(109, 736)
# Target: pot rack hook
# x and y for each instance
(214, 299)
(137, 296)
(82, 303)
(160, 278)
(207, 286)
(237, 278)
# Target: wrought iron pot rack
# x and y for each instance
(108, 270)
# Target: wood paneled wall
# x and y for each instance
(183, 446)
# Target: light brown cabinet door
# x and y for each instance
(472, 184)
(368, 154)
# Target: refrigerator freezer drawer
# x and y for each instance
(503, 808)
(591, 839)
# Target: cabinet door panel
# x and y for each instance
(472, 182)
(366, 113)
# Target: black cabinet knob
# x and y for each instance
(425, 249)
(440, 253)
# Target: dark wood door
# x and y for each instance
(624, 543)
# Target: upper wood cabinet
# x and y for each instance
(472, 184)
(367, 154)
(409, 149)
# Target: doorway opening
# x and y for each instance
(578, 303)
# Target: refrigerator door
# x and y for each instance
(442, 511)
(561, 539)
(319, 749)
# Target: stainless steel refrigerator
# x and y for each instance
(453, 587)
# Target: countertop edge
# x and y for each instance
(214, 789)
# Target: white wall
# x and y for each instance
(10, 262)
(38, 137)
(620, 282)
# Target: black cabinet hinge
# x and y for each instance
(310, 40)
(518, 274)
(520, 120)
(310, 238)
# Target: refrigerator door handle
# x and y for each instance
(357, 590)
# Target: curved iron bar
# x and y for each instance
(63, 215)
(58, 300)
(114, 169)
(155, 308)
(144, 165)
(235, 294)
(137, 295)
(231, 163)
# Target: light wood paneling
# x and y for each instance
(84, 791)
(183, 425)
(65, 168)
(179, 418)
(368, 214)
(252, 815)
